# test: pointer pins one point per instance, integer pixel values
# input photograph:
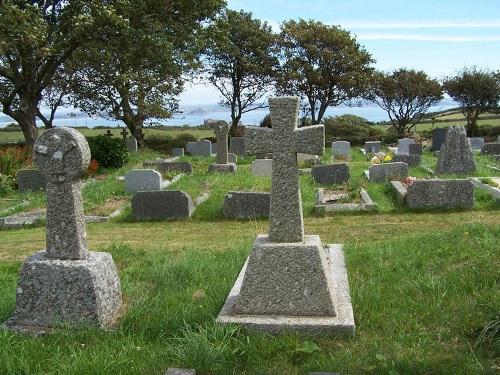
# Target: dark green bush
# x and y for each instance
(266, 121)
(165, 143)
(109, 152)
(6, 185)
(488, 131)
(390, 136)
(354, 129)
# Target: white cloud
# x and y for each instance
(428, 38)
(445, 24)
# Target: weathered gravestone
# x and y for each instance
(415, 149)
(476, 144)
(177, 151)
(237, 146)
(65, 284)
(438, 137)
(221, 130)
(30, 180)
(388, 171)
(131, 144)
(158, 205)
(341, 149)
(290, 281)
(440, 194)
(404, 145)
(455, 156)
(491, 149)
(200, 148)
(410, 159)
(331, 174)
(173, 166)
(143, 180)
(262, 167)
(373, 147)
(308, 159)
(246, 205)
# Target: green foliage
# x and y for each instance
(7, 184)
(165, 143)
(354, 129)
(240, 60)
(266, 121)
(405, 95)
(109, 152)
(322, 64)
(477, 91)
(14, 158)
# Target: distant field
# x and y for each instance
(8, 137)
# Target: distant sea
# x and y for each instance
(195, 115)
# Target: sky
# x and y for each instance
(437, 36)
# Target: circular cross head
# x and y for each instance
(221, 127)
(61, 155)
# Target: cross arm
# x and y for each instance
(310, 140)
(258, 140)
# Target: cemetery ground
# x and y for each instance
(424, 284)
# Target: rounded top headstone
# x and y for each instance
(61, 155)
(221, 127)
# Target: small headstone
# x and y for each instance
(124, 134)
(246, 205)
(237, 146)
(455, 156)
(191, 147)
(221, 130)
(410, 159)
(142, 180)
(177, 151)
(415, 149)
(403, 145)
(30, 180)
(341, 149)
(476, 144)
(373, 147)
(200, 148)
(388, 171)
(173, 166)
(491, 149)
(132, 144)
(158, 205)
(330, 174)
(308, 159)
(262, 167)
(65, 284)
(438, 137)
(446, 194)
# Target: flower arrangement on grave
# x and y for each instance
(408, 181)
(92, 168)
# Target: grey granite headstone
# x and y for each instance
(341, 149)
(331, 174)
(142, 180)
(491, 149)
(158, 205)
(163, 166)
(65, 284)
(262, 167)
(237, 146)
(410, 159)
(438, 137)
(373, 147)
(476, 144)
(131, 144)
(440, 194)
(455, 156)
(287, 280)
(221, 130)
(246, 205)
(30, 180)
(177, 151)
(415, 149)
(403, 145)
(200, 148)
(191, 147)
(388, 171)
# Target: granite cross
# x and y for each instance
(221, 129)
(62, 155)
(108, 133)
(285, 140)
(124, 134)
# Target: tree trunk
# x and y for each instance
(136, 128)
(472, 128)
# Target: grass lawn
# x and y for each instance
(423, 286)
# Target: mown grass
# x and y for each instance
(420, 303)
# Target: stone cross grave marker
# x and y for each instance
(108, 133)
(62, 156)
(124, 134)
(285, 140)
(221, 130)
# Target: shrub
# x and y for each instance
(165, 143)
(6, 185)
(14, 158)
(266, 121)
(354, 129)
(390, 136)
(108, 152)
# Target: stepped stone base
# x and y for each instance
(56, 293)
(284, 311)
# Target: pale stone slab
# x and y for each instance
(476, 143)
(456, 155)
(142, 180)
(340, 324)
(341, 150)
(373, 147)
(180, 371)
(177, 151)
(200, 148)
(388, 171)
(262, 167)
(132, 144)
(404, 145)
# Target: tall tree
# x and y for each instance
(138, 74)
(405, 95)
(477, 91)
(323, 65)
(239, 62)
(36, 38)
